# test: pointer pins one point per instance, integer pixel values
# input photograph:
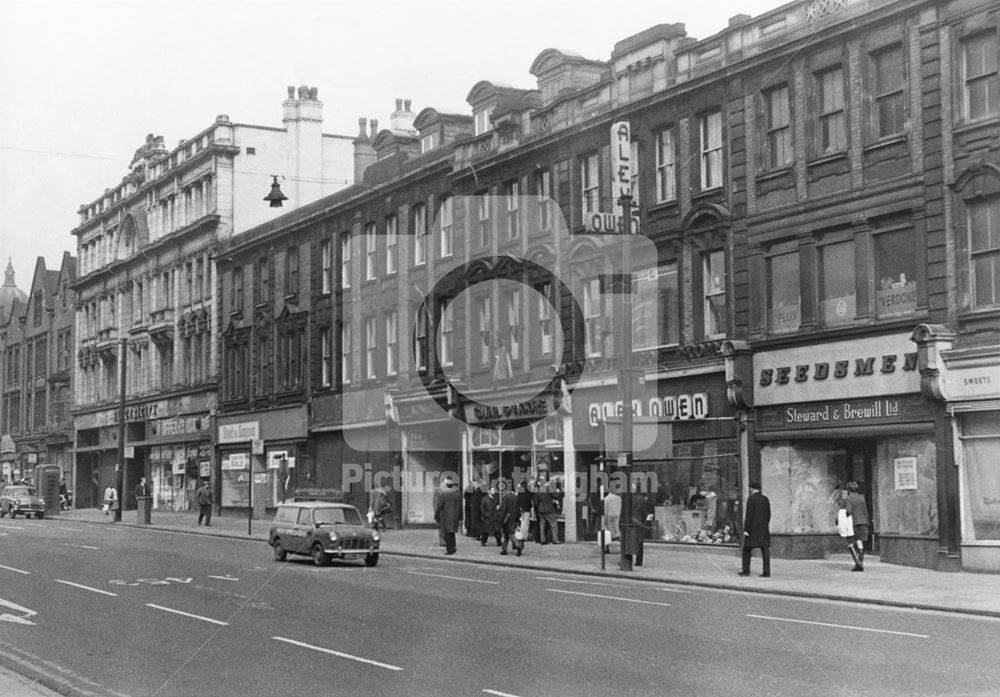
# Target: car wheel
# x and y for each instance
(319, 557)
(2, 512)
(39, 515)
(371, 559)
(279, 552)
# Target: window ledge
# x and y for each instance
(965, 126)
(886, 142)
(774, 173)
(824, 159)
(714, 191)
(663, 206)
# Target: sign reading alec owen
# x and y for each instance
(858, 369)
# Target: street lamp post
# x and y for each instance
(625, 457)
(120, 467)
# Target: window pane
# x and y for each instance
(715, 294)
(838, 304)
(896, 270)
(654, 307)
(783, 279)
(891, 118)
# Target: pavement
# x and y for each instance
(704, 566)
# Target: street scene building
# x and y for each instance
(146, 290)
(812, 274)
(36, 340)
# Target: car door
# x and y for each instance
(303, 529)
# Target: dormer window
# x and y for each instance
(482, 121)
(428, 142)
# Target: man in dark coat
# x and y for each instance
(757, 530)
(448, 513)
(488, 509)
(473, 500)
(510, 520)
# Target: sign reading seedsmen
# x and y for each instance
(611, 223)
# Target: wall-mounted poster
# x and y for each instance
(905, 469)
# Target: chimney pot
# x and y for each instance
(374, 123)
(399, 104)
(314, 93)
(362, 127)
(406, 104)
(291, 91)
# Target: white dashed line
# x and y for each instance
(840, 626)
(454, 578)
(16, 571)
(608, 597)
(86, 588)
(341, 654)
(187, 614)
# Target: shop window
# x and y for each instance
(783, 291)
(896, 271)
(838, 300)
(980, 443)
(655, 307)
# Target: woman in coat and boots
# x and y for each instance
(854, 504)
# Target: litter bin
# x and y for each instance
(144, 507)
(632, 541)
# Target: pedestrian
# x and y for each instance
(110, 500)
(757, 530)
(448, 513)
(612, 519)
(856, 507)
(524, 504)
(63, 494)
(205, 500)
(545, 507)
(488, 512)
(142, 488)
(473, 500)
(509, 517)
(379, 506)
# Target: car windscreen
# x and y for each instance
(331, 516)
(22, 491)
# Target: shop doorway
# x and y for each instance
(861, 465)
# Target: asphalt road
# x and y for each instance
(109, 610)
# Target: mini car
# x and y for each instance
(323, 531)
(21, 498)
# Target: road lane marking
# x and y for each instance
(341, 654)
(12, 527)
(86, 588)
(567, 580)
(72, 529)
(69, 544)
(16, 571)
(498, 693)
(22, 616)
(454, 578)
(224, 578)
(840, 626)
(187, 614)
(607, 597)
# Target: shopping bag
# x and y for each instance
(845, 525)
(371, 517)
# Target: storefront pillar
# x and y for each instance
(573, 481)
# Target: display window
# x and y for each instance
(980, 439)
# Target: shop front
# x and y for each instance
(167, 441)
(516, 436)
(353, 443)
(967, 381)
(685, 473)
(833, 413)
(260, 458)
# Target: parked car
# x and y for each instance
(21, 498)
(324, 531)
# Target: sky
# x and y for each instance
(83, 82)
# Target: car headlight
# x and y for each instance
(375, 537)
(333, 537)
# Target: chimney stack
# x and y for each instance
(374, 128)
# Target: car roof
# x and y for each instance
(316, 504)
